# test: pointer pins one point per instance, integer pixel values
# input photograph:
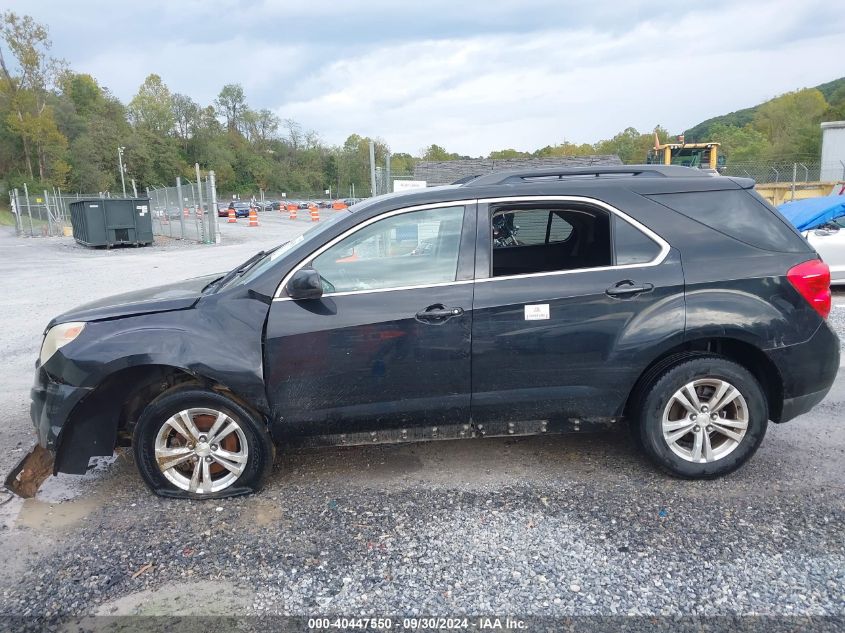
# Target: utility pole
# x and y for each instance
(120, 164)
(372, 168)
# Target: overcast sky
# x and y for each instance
(472, 76)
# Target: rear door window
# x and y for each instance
(631, 245)
(737, 214)
(536, 240)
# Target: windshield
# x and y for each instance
(271, 257)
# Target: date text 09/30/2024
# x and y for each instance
(418, 623)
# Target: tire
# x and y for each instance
(198, 467)
(710, 447)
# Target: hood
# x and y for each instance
(813, 212)
(175, 296)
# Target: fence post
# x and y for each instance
(28, 209)
(373, 169)
(212, 205)
(794, 176)
(199, 203)
(49, 215)
(181, 204)
(181, 213)
(16, 210)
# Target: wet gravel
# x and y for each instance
(551, 526)
(540, 549)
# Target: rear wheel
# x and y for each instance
(701, 418)
(198, 443)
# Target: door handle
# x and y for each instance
(628, 288)
(438, 313)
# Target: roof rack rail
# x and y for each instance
(527, 175)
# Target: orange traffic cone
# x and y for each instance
(315, 214)
(186, 212)
(292, 211)
(253, 217)
(232, 217)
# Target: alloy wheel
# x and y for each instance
(705, 420)
(201, 450)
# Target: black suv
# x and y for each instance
(515, 303)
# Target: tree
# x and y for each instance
(231, 105)
(185, 113)
(29, 117)
(740, 144)
(836, 107)
(151, 108)
(508, 153)
(791, 124)
(435, 152)
(402, 163)
(294, 133)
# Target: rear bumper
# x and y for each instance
(807, 370)
(799, 405)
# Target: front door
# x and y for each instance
(569, 302)
(388, 343)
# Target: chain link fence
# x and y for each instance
(43, 214)
(768, 172)
(186, 211)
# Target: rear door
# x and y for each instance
(388, 343)
(571, 297)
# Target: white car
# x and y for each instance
(829, 242)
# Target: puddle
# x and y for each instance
(46, 515)
(61, 501)
(181, 599)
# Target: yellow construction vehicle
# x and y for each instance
(700, 155)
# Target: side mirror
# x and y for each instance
(305, 284)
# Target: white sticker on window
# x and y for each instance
(537, 312)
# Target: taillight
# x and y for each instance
(812, 280)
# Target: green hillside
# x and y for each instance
(741, 118)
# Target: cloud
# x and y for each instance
(471, 76)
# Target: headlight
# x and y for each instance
(57, 337)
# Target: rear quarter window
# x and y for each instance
(738, 214)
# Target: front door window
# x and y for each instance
(416, 248)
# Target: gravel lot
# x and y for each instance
(551, 526)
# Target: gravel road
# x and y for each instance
(551, 526)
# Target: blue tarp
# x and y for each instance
(813, 212)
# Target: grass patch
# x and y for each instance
(6, 218)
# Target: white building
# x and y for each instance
(833, 151)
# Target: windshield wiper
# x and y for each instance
(237, 270)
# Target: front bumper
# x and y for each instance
(52, 404)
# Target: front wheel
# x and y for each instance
(701, 418)
(198, 443)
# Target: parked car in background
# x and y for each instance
(829, 242)
(517, 303)
(271, 205)
(821, 221)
